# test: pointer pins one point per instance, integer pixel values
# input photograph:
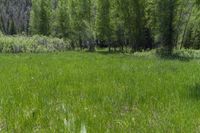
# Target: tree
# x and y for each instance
(167, 14)
(63, 18)
(34, 17)
(12, 29)
(44, 17)
(118, 23)
(139, 24)
(103, 21)
(39, 18)
(1, 25)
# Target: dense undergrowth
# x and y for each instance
(34, 44)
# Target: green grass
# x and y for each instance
(77, 92)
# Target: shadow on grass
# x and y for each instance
(181, 55)
(165, 56)
(175, 57)
(109, 53)
(172, 56)
(194, 92)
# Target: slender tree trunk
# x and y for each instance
(186, 26)
(109, 45)
(179, 24)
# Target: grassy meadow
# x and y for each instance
(98, 93)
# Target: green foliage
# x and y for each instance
(63, 19)
(44, 17)
(34, 17)
(191, 23)
(187, 53)
(35, 44)
(103, 20)
(40, 17)
(167, 13)
(139, 24)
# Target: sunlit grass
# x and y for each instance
(91, 92)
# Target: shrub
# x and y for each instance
(188, 53)
(34, 44)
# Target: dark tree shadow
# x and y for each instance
(194, 92)
(175, 57)
(172, 56)
(181, 56)
(109, 53)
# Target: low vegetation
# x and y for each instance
(44, 44)
(141, 71)
(35, 44)
(98, 92)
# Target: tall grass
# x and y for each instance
(90, 92)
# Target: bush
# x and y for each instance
(34, 44)
(188, 53)
(179, 54)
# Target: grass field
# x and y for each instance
(97, 93)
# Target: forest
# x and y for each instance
(100, 66)
(114, 24)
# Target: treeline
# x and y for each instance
(14, 16)
(119, 24)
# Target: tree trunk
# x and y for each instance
(186, 26)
